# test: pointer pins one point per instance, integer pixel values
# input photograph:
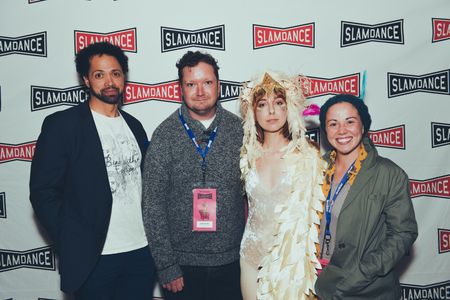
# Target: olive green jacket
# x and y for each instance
(375, 229)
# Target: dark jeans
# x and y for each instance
(209, 283)
(128, 275)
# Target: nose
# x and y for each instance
(271, 109)
(200, 90)
(342, 129)
(109, 81)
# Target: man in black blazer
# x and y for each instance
(85, 186)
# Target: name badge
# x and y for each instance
(204, 209)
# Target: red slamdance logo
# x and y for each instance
(392, 137)
(434, 187)
(299, 35)
(125, 39)
(138, 92)
(23, 152)
(316, 86)
(444, 240)
(441, 29)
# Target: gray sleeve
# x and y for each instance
(155, 185)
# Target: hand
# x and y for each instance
(175, 285)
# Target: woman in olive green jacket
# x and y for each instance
(369, 222)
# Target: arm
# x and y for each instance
(47, 175)
(400, 234)
(156, 187)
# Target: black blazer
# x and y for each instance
(69, 189)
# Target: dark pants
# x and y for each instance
(128, 275)
(209, 283)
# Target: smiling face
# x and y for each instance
(271, 113)
(344, 129)
(200, 88)
(105, 79)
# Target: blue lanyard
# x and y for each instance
(191, 135)
(329, 205)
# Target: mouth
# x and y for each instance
(110, 92)
(344, 140)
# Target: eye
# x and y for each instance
(189, 84)
(117, 74)
(209, 82)
(280, 102)
(261, 104)
(98, 75)
(332, 124)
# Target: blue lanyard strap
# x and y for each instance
(329, 204)
(191, 135)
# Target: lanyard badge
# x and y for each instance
(329, 206)
(204, 203)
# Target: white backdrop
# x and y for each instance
(402, 45)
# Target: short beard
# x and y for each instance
(109, 100)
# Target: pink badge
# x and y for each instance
(204, 210)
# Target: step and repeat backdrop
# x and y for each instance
(396, 53)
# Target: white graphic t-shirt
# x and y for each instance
(123, 160)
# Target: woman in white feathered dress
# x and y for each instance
(283, 172)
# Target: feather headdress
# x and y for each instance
(295, 98)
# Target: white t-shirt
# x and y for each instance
(123, 160)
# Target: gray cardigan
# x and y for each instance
(172, 167)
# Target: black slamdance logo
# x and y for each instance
(229, 90)
(358, 33)
(403, 84)
(440, 134)
(33, 44)
(44, 97)
(314, 134)
(435, 291)
(2, 205)
(209, 38)
(40, 258)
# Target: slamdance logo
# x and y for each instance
(125, 39)
(33, 44)
(435, 187)
(23, 152)
(314, 135)
(440, 134)
(39, 258)
(357, 33)
(435, 291)
(392, 137)
(44, 97)
(2, 205)
(209, 38)
(170, 91)
(443, 240)
(299, 35)
(403, 84)
(229, 90)
(138, 92)
(441, 29)
(317, 86)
